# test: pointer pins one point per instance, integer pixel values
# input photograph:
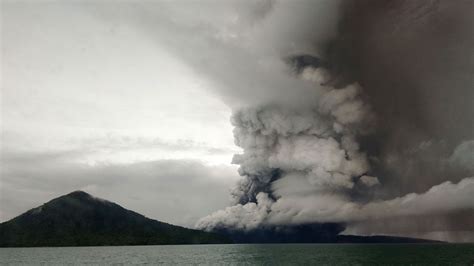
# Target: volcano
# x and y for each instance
(80, 219)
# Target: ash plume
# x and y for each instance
(351, 112)
(298, 152)
(343, 156)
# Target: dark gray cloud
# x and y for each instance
(415, 60)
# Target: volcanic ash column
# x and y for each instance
(299, 153)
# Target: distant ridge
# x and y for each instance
(311, 233)
(79, 219)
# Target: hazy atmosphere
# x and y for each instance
(241, 115)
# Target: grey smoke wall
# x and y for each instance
(356, 111)
(345, 156)
(416, 61)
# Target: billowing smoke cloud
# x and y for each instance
(297, 152)
(346, 111)
(317, 142)
(293, 208)
(301, 166)
(312, 163)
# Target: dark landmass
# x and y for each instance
(79, 219)
(311, 233)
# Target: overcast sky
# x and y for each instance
(94, 104)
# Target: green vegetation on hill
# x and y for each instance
(79, 219)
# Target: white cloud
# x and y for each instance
(69, 74)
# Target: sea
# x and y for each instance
(246, 254)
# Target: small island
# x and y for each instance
(80, 219)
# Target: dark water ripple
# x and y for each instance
(254, 254)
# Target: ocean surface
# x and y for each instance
(247, 254)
